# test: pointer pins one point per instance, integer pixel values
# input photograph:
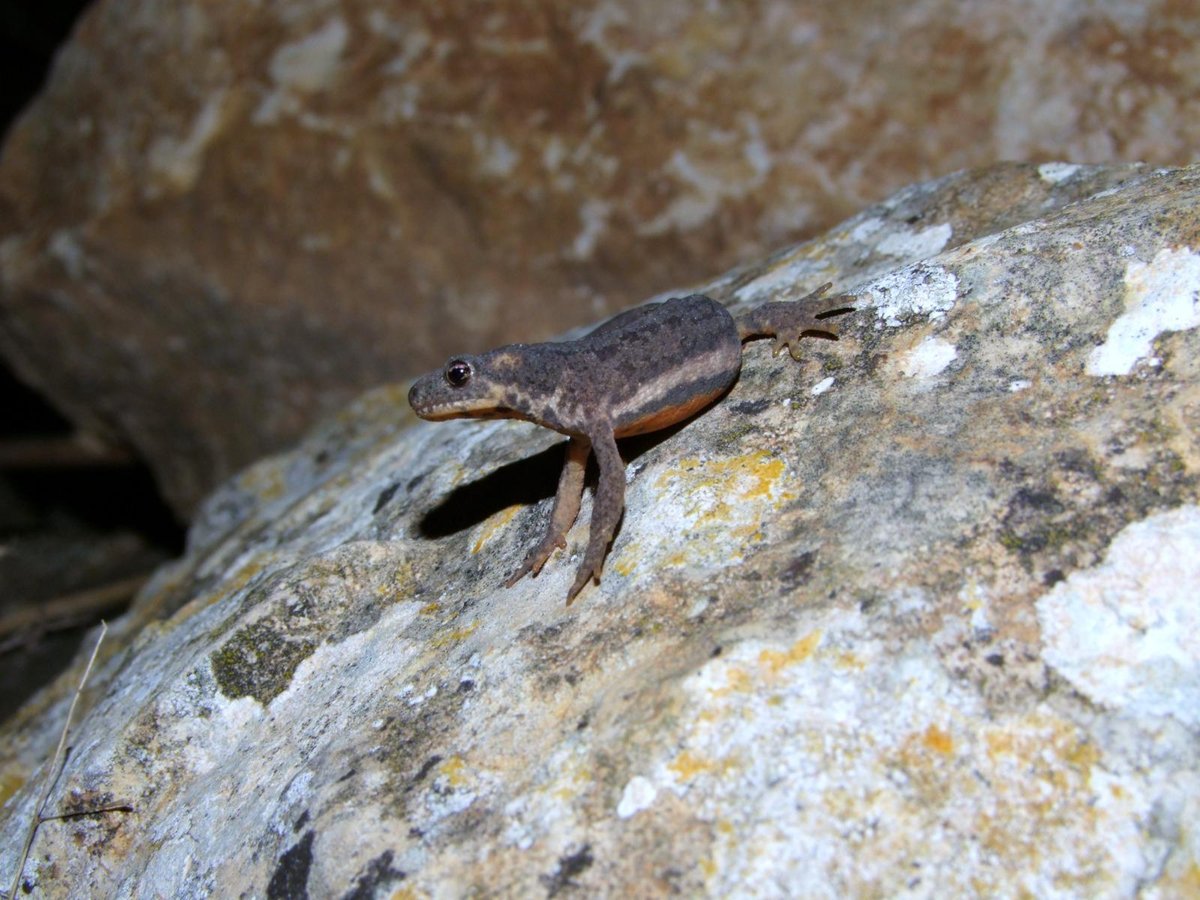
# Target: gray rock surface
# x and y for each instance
(916, 616)
(220, 220)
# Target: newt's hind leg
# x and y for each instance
(565, 511)
(606, 511)
(789, 322)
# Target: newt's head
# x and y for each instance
(478, 387)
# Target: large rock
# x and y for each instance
(223, 218)
(915, 615)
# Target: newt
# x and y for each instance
(645, 369)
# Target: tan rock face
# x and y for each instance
(916, 614)
(223, 219)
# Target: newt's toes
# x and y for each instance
(526, 567)
(516, 576)
(534, 562)
(581, 580)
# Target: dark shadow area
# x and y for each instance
(30, 33)
(80, 531)
(524, 482)
(81, 526)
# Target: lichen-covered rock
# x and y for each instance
(222, 218)
(915, 615)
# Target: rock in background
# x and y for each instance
(916, 615)
(221, 219)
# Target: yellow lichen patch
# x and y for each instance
(430, 608)
(1186, 884)
(573, 784)
(847, 659)
(731, 483)
(402, 578)
(264, 481)
(9, 785)
(746, 533)
(1083, 755)
(625, 563)
(453, 637)
(687, 766)
(737, 680)
(1044, 748)
(455, 771)
(1038, 769)
(775, 660)
(676, 559)
(938, 740)
(708, 868)
(494, 525)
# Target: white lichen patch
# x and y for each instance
(174, 163)
(1057, 172)
(312, 62)
(1162, 295)
(497, 157)
(821, 386)
(303, 67)
(65, 248)
(928, 358)
(918, 290)
(639, 794)
(782, 276)
(593, 221)
(862, 231)
(907, 244)
(1126, 632)
(793, 749)
(704, 187)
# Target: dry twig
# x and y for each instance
(52, 775)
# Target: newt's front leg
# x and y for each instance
(788, 322)
(606, 511)
(565, 511)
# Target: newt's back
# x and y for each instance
(656, 365)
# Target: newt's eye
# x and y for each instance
(458, 373)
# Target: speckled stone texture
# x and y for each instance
(916, 616)
(222, 219)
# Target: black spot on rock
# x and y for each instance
(379, 872)
(751, 407)
(800, 568)
(426, 769)
(385, 497)
(568, 867)
(290, 881)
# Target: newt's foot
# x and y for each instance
(789, 322)
(535, 560)
(586, 573)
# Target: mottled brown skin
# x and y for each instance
(643, 370)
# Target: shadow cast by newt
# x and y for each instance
(525, 481)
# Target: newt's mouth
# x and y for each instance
(431, 398)
(462, 411)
